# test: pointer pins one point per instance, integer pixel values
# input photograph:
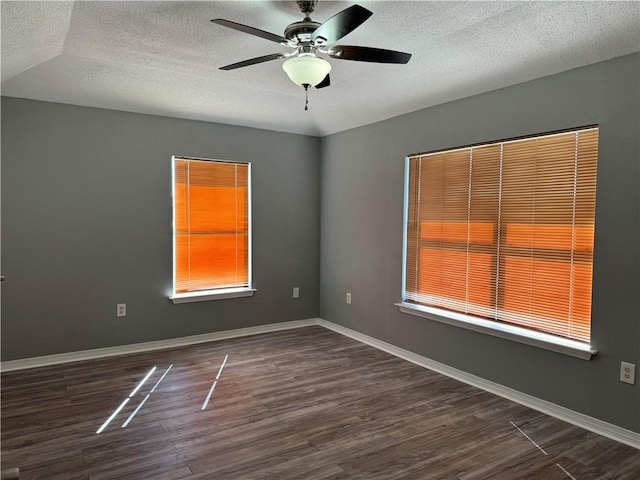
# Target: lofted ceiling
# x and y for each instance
(163, 58)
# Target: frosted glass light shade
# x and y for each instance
(306, 70)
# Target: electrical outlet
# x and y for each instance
(121, 310)
(349, 298)
(296, 292)
(627, 372)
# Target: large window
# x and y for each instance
(504, 231)
(211, 228)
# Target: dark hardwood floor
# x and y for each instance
(301, 404)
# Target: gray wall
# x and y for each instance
(86, 224)
(361, 236)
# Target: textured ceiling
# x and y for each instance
(162, 58)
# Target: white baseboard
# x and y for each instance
(148, 346)
(600, 427)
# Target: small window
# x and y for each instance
(211, 229)
(504, 231)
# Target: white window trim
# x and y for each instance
(218, 294)
(533, 338)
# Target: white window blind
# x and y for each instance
(504, 231)
(211, 224)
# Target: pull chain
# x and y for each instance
(306, 97)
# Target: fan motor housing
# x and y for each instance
(301, 31)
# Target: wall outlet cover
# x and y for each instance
(627, 372)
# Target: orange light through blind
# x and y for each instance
(211, 225)
(505, 231)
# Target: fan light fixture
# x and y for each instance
(306, 70)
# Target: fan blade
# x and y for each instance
(324, 83)
(340, 24)
(251, 31)
(253, 61)
(368, 54)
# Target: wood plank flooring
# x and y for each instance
(301, 404)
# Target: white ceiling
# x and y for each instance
(162, 58)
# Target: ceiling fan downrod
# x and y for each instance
(307, 7)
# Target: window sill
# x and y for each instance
(510, 332)
(207, 295)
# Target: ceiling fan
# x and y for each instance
(308, 38)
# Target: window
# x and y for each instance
(211, 229)
(504, 232)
